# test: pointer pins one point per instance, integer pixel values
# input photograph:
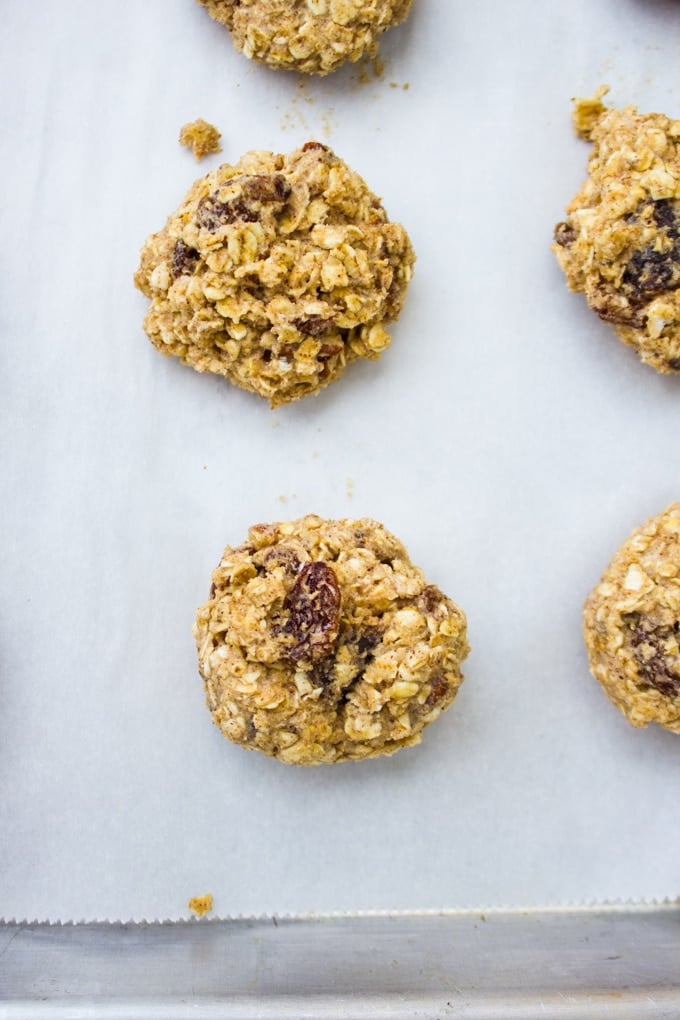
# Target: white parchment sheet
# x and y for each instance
(506, 437)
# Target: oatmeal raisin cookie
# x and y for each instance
(276, 273)
(620, 242)
(632, 624)
(321, 643)
(311, 36)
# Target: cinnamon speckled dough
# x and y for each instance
(276, 273)
(632, 624)
(311, 36)
(620, 243)
(321, 643)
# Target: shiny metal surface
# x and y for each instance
(587, 964)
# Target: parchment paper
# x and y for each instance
(507, 438)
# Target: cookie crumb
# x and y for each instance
(201, 137)
(201, 905)
(378, 68)
(587, 112)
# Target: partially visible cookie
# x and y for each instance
(620, 242)
(632, 624)
(276, 273)
(321, 643)
(311, 36)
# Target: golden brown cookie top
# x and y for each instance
(632, 624)
(321, 642)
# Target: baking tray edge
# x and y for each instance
(583, 963)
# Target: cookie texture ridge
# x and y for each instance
(632, 624)
(276, 273)
(322, 643)
(620, 242)
(310, 36)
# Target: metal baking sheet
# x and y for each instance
(506, 437)
(585, 965)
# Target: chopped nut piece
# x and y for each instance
(202, 138)
(632, 624)
(347, 652)
(311, 36)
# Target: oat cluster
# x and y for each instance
(310, 36)
(201, 137)
(620, 242)
(276, 273)
(321, 643)
(632, 624)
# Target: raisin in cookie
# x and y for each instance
(311, 36)
(632, 624)
(321, 642)
(620, 243)
(276, 273)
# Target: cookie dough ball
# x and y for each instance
(311, 36)
(620, 243)
(321, 642)
(276, 273)
(632, 624)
